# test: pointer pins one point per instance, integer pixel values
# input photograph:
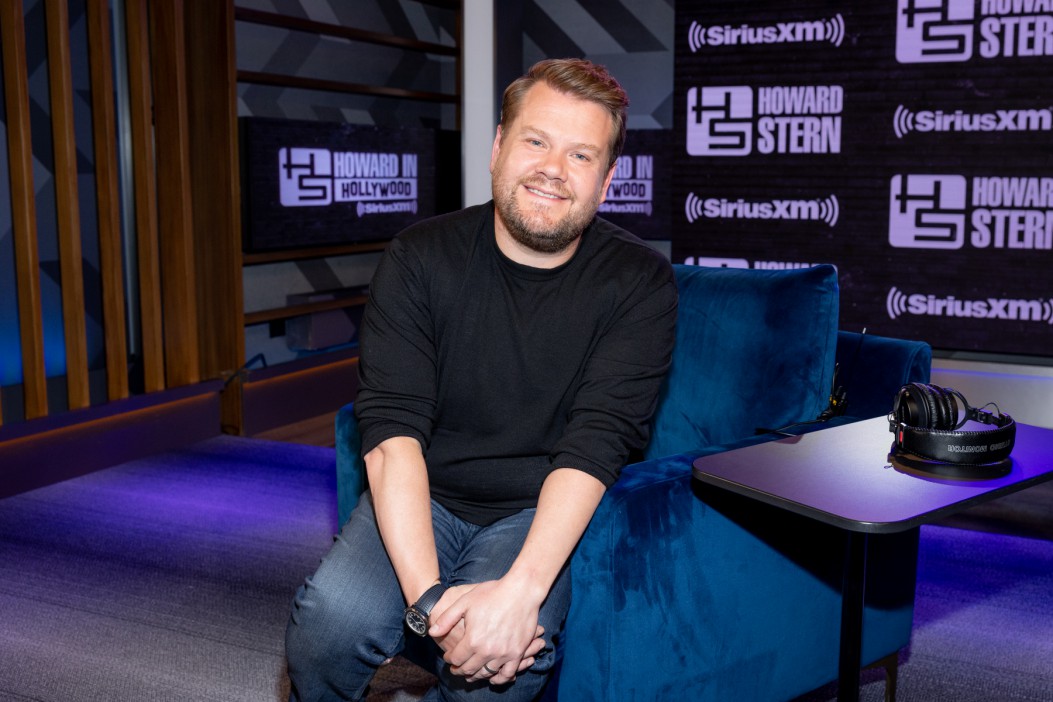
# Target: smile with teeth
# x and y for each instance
(541, 193)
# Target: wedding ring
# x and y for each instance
(487, 669)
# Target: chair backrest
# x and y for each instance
(754, 348)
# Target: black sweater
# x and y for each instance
(504, 372)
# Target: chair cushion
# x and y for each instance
(754, 348)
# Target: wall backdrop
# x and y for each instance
(908, 143)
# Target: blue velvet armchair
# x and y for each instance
(687, 592)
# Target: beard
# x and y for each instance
(532, 227)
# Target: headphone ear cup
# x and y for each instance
(902, 406)
(946, 409)
(928, 406)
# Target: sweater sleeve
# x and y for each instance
(397, 382)
(610, 417)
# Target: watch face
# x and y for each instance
(417, 624)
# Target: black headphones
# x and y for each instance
(926, 418)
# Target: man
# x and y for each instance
(511, 356)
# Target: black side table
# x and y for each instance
(842, 476)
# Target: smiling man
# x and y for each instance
(511, 357)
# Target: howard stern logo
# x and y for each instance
(825, 210)
(937, 31)
(377, 182)
(735, 120)
(632, 188)
(945, 211)
(830, 30)
(899, 303)
(937, 121)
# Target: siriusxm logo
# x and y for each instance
(823, 30)
(825, 210)
(898, 304)
(737, 120)
(935, 121)
(935, 31)
(377, 182)
(944, 211)
(632, 188)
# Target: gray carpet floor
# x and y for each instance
(163, 579)
(170, 579)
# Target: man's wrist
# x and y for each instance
(418, 615)
(527, 587)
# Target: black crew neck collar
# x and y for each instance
(524, 270)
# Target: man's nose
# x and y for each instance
(553, 165)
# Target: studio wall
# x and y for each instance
(908, 143)
(318, 57)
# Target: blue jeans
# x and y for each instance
(347, 618)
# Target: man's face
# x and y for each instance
(549, 169)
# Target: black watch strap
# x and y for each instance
(429, 599)
(417, 614)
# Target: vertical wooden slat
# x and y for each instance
(23, 207)
(111, 262)
(212, 111)
(67, 206)
(216, 193)
(141, 118)
(175, 221)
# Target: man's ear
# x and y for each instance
(496, 149)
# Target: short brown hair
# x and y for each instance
(579, 78)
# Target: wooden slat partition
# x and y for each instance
(213, 118)
(111, 261)
(23, 207)
(67, 205)
(175, 219)
(145, 187)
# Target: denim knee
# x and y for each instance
(346, 619)
(527, 687)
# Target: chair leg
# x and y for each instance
(891, 665)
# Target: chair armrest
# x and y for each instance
(686, 591)
(350, 470)
(873, 368)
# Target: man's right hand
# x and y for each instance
(449, 640)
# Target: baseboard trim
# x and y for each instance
(285, 395)
(41, 452)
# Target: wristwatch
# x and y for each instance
(416, 615)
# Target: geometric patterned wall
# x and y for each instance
(268, 49)
(632, 38)
(306, 55)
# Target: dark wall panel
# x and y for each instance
(909, 144)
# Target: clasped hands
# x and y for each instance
(485, 633)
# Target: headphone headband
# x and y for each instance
(926, 419)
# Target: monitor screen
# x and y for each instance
(310, 184)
